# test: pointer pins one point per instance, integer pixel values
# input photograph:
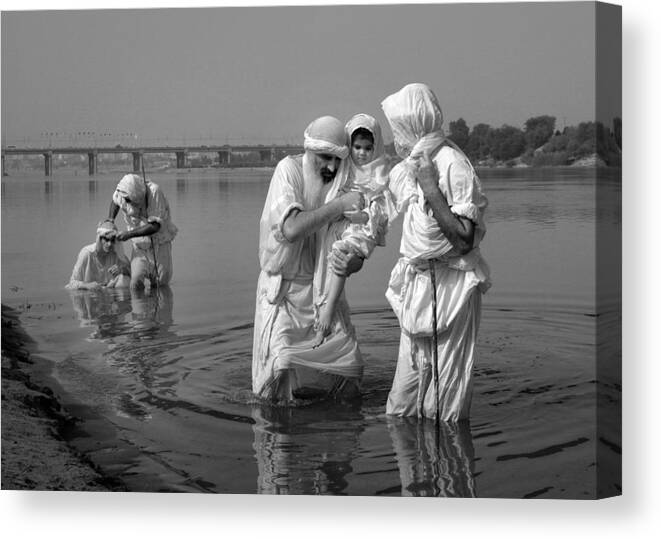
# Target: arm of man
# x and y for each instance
(112, 210)
(144, 230)
(299, 224)
(458, 230)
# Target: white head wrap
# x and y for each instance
(326, 135)
(412, 113)
(376, 171)
(367, 122)
(131, 186)
(104, 227)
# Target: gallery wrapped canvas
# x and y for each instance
(367, 250)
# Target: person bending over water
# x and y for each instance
(149, 227)
(368, 174)
(102, 263)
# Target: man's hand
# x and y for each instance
(114, 270)
(426, 173)
(344, 263)
(122, 236)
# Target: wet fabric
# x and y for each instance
(283, 358)
(416, 120)
(151, 256)
(92, 265)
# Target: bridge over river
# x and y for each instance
(268, 155)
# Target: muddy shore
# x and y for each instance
(35, 455)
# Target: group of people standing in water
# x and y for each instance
(325, 212)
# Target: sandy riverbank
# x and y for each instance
(34, 453)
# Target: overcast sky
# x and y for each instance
(262, 73)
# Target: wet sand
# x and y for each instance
(35, 455)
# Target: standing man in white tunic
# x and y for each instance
(440, 265)
(304, 197)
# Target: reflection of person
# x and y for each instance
(368, 174)
(149, 227)
(296, 456)
(302, 200)
(433, 460)
(105, 309)
(436, 286)
(101, 263)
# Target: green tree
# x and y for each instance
(477, 146)
(539, 130)
(459, 133)
(507, 142)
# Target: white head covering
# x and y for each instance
(104, 229)
(367, 122)
(131, 186)
(413, 113)
(326, 135)
(376, 171)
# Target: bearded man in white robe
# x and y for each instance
(437, 284)
(305, 196)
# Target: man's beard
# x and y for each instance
(326, 175)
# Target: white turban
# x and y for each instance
(326, 135)
(131, 186)
(412, 113)
(104, 227)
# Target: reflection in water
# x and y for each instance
(148, 340)
(103, 308)
(433, 460)
(300, 452)
(152, 310)
(182, 187)
(48, 190)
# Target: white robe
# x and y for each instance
(283, 358)
(460, 282)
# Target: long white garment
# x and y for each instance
(416, 120)
(460, 281)
(283, 358)
(150, 254)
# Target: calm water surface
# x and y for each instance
(163, 379)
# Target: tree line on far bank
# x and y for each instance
(538, 143)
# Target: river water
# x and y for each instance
(162, 379)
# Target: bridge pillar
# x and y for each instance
(181, 159)
(225, 157)
(48, 163)
(92, 162)
(137, 162)
(273, 155)
(4, 170)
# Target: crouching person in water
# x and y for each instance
(102, 263)
(148, 226)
